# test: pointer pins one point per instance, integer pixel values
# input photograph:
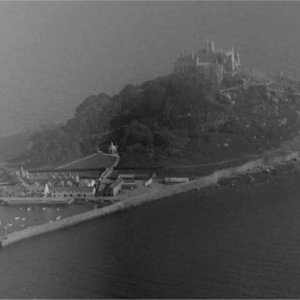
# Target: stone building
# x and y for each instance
(78, 192)
(113, 189)
(208, 63)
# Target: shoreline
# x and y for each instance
(254, 166)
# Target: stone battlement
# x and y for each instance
(208, 63)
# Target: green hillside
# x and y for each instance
(177, 120)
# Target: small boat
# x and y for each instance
(23, 219)
(17, 218)
(58, 218)
(28, 208)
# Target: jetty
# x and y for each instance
(35, 201)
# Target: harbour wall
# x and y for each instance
(254, 166)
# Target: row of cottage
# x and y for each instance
(106, 188)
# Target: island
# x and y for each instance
(210, 120)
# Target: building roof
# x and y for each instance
(72, 189)
(33, 188)
(106, 181)
(116, 183)
(101, 187)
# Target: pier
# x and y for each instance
(35, 201)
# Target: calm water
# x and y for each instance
(19, 217)
(234, 242)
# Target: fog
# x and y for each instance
(55, 54)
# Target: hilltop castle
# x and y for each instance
(208, 63)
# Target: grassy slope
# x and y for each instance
(95, 161)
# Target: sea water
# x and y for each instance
(240, 241)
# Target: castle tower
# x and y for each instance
(232, 60)
(238, 62)
(210, 46)
(209, 62)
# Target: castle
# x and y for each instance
(208, 63)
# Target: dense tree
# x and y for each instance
(161, 116)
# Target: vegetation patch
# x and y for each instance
(176, 119)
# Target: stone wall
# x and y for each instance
(249, 167)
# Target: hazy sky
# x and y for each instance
(55, 54)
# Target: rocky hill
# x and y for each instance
(177, 119)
